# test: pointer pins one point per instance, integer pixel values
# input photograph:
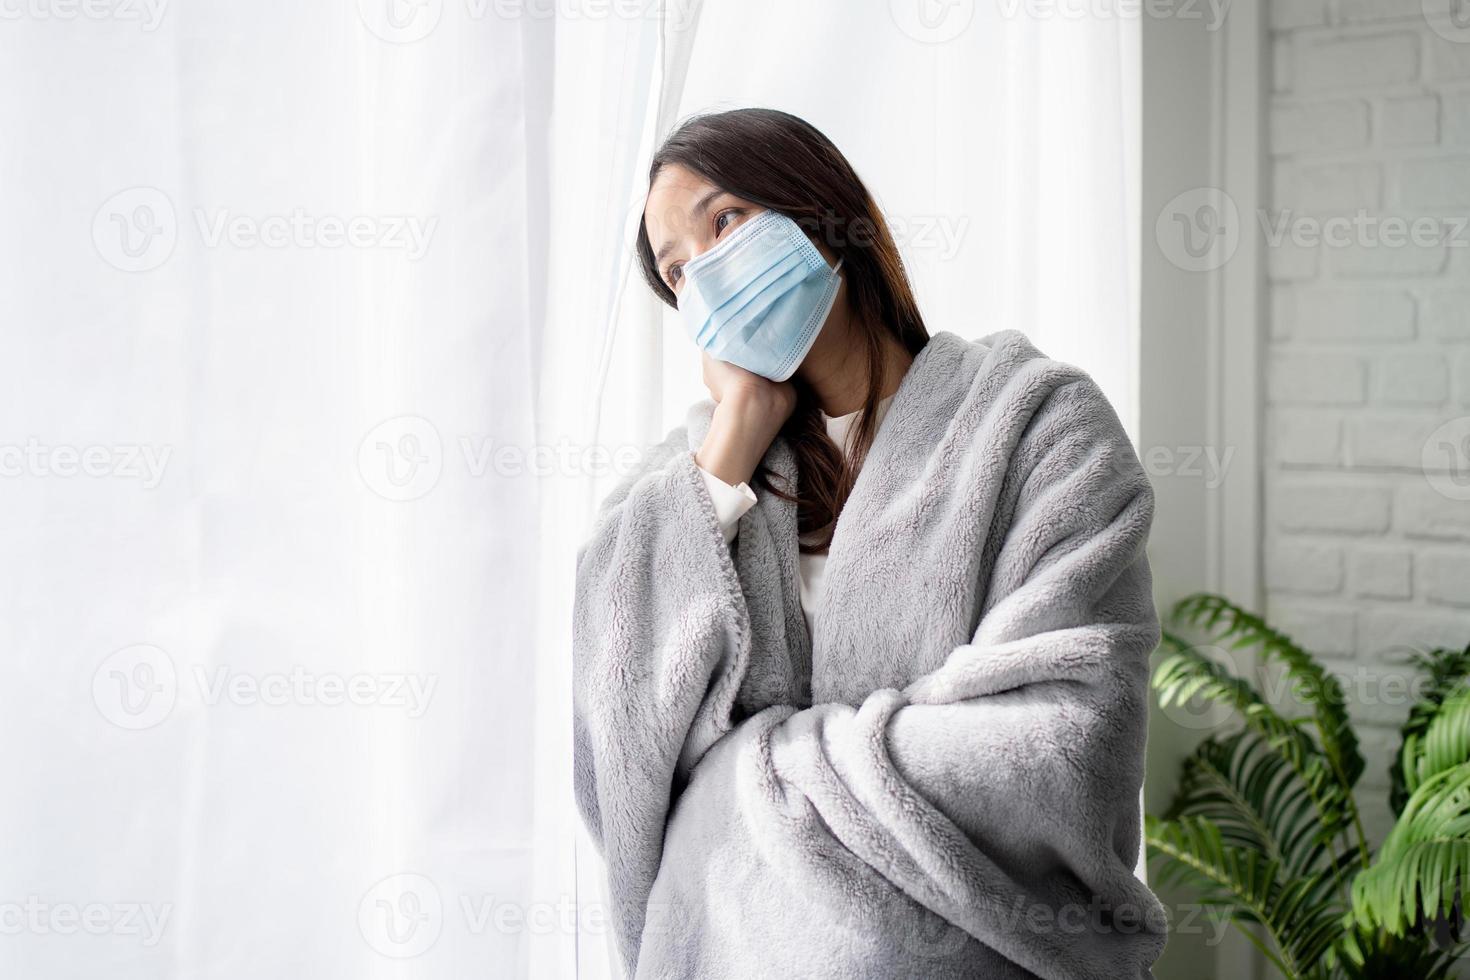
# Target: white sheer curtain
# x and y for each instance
(271, 278)
(602, 377)
(1004, 149)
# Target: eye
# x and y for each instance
(674, 274)
(721, 224)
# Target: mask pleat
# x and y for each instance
(753, 305)
(740, 327)
(736, 309)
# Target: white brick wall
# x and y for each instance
(1368, 350)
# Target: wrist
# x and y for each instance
(740, 432)
(765, 405)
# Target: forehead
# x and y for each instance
(669, 209)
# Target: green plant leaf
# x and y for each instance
(1320, 690)
(1185, 672)
(1253, 825)
(1447, 669)
(1423, 868)
(1367, 954)
(1445, 744)
(1251, 793)
(1300, 925)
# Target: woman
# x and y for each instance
(861, 650)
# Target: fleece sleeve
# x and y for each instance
(660, 640)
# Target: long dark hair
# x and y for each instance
(783, 163)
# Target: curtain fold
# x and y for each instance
(271, 694)
(617, 86)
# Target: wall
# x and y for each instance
(1368, 356)
(1201, 324)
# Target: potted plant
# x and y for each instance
(1265, 826)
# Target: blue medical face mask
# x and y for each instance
(759, 298)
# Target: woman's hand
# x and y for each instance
(749, 411)
(722, 376)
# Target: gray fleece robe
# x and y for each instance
(946, 783)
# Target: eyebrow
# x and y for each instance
(700, 207)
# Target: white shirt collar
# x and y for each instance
(839, 426)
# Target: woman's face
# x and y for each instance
(686, 216)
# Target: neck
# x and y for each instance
(836, 368)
